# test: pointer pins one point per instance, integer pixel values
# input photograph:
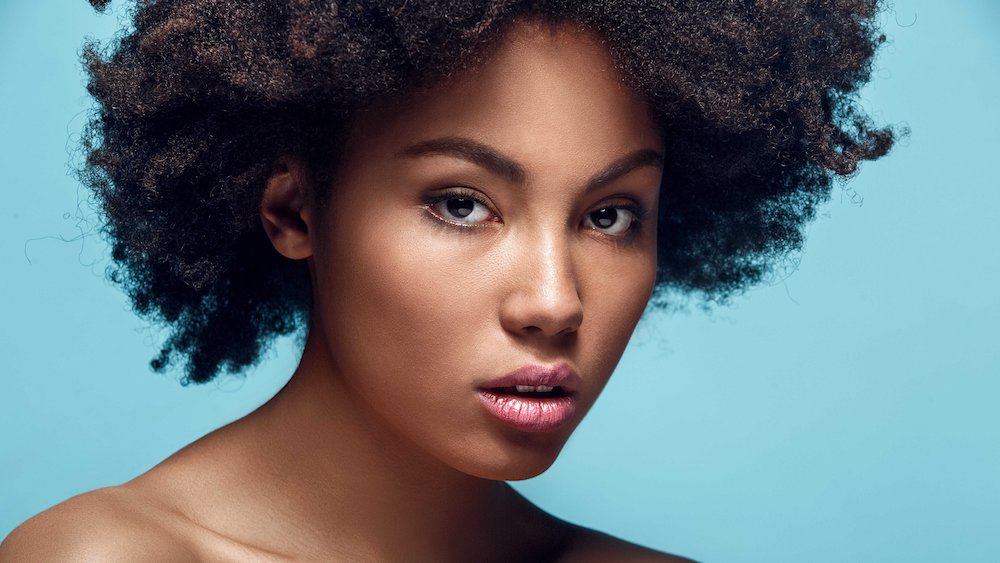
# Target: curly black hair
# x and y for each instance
(198, 98)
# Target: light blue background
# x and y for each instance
(847, 412)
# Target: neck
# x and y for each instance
(364, 490)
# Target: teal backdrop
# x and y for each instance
(848, 410)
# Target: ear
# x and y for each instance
(285, 212)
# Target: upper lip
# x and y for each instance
(560, 375)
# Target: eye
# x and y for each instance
(612, 220)
(460, 208)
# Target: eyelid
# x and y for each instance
(622, 202)
(460, 192)
(639, 212)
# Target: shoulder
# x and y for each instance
(103, 525)
(593, 546)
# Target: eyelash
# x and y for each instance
(457, 193)
(638, 212)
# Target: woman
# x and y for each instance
(467, 207)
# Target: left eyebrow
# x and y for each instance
(624, 165)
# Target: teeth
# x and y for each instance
(533, 388)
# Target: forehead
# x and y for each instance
(544, 92)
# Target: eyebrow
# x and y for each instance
(472, 151)
(624, 165)
(503, 166)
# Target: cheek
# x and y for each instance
(401, 296)
(403, 311)
(616, 296)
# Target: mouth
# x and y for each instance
(530, 391)
(533, 398)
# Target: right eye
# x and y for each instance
(460, 208)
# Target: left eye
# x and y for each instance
(462, 210)
(614, 221)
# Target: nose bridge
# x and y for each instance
(546, 296)
(556, 273)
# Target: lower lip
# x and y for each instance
(529, 414)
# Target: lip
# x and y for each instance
(532, 414)
(560, 375)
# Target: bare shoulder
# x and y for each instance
(593, 546)
(104, 525)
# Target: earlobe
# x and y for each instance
(284, 211)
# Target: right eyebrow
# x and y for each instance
(471, 151)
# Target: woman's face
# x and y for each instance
(501, 223)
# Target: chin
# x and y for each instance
(516, 461)
(511, 472)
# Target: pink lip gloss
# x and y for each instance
(532, 398)
(529, 414)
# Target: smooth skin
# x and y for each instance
(505, 217)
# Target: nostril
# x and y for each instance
(568, 330)
(542, 317)
(543, 298)
(560, 330)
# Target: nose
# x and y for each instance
(544, 298)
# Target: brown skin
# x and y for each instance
(378, 448)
